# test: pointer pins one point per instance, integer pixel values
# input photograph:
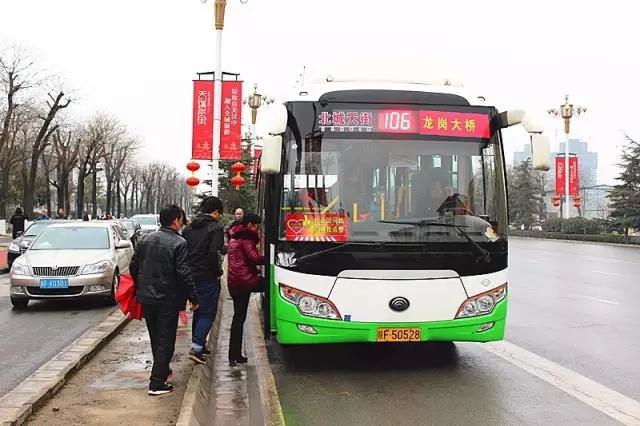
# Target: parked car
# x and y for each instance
(148, 222)
(18, 246)
(131, 228)
(71, 260)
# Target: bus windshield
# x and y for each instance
(377, 189)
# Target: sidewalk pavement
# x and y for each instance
(111, 389)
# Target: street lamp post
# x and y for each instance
(567, 111)
(255, 100)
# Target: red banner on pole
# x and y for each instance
(230, 130)
(202, 141)
(257, 153)
(574, 184)
(559, 175)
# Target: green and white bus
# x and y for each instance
(386, 214)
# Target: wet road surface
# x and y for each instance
(571, 314)
(32, 337)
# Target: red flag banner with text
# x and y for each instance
(573, 176)
(560, 175)
(230, 129)
(257, 153)
(202, 141)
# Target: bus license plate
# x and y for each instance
(398, 335)
(54, 283)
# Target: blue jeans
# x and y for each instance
(204, 316)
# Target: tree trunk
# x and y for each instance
(118, 198)
(94, 194)
(4, 192)
(109, 189)
(80, 194)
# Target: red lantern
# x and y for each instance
(192, 166)
(237, 182)
(193, 181)
(555, 200)
(238, 167)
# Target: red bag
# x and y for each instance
(126, 296)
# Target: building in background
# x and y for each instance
(594, 196)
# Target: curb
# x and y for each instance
(271, 408)
(576, 241)
(19, 403)
(195, 402)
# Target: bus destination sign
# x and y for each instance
(397, 121)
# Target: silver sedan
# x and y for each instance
(81, 259)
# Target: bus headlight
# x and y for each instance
(483, 303)
(310, 304)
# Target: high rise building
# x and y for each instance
(594, 202)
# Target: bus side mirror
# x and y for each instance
(271, 154)
(541, 151)
(276, 119)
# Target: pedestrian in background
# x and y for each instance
(17, 221)
(243, 278)
(61, 214)
(205, 241)
(163, 280)
(238, 214)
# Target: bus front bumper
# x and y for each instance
(289, 320)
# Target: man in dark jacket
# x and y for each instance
(163, 280)
(205, 240)
(17, 221)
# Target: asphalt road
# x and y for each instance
(32, 337)
(571, 356)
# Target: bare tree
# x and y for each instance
(66, 147)
(39, 144)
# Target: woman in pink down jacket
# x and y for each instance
(243, 277)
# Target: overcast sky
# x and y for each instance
(136, 58)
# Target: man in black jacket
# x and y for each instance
(205, 239)
(18, 220)
(163, 279)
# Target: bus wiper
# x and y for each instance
(483, 254)
(321, 252)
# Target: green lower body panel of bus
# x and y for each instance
(290, 324)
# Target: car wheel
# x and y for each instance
(114, 287)
(19, 303)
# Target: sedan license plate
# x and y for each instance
(54, 283)
(398, 335)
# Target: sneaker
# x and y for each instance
(205, 351)
(160, 390)
(197, 357)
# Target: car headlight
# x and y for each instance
(287, 260)
(95, 268)
(20, 269)
(483, 303)
(310, 304)
(14, 247)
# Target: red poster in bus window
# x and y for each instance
(573, 176)
(202, 141)
(458, 124)
(560, 175)
(316, 227)
(230, 132)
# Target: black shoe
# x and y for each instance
(205, 351)
(197, 357)
(238, 360)
(160, 390)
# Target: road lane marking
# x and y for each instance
(613, 274)
(614, 404)
(597, 299)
